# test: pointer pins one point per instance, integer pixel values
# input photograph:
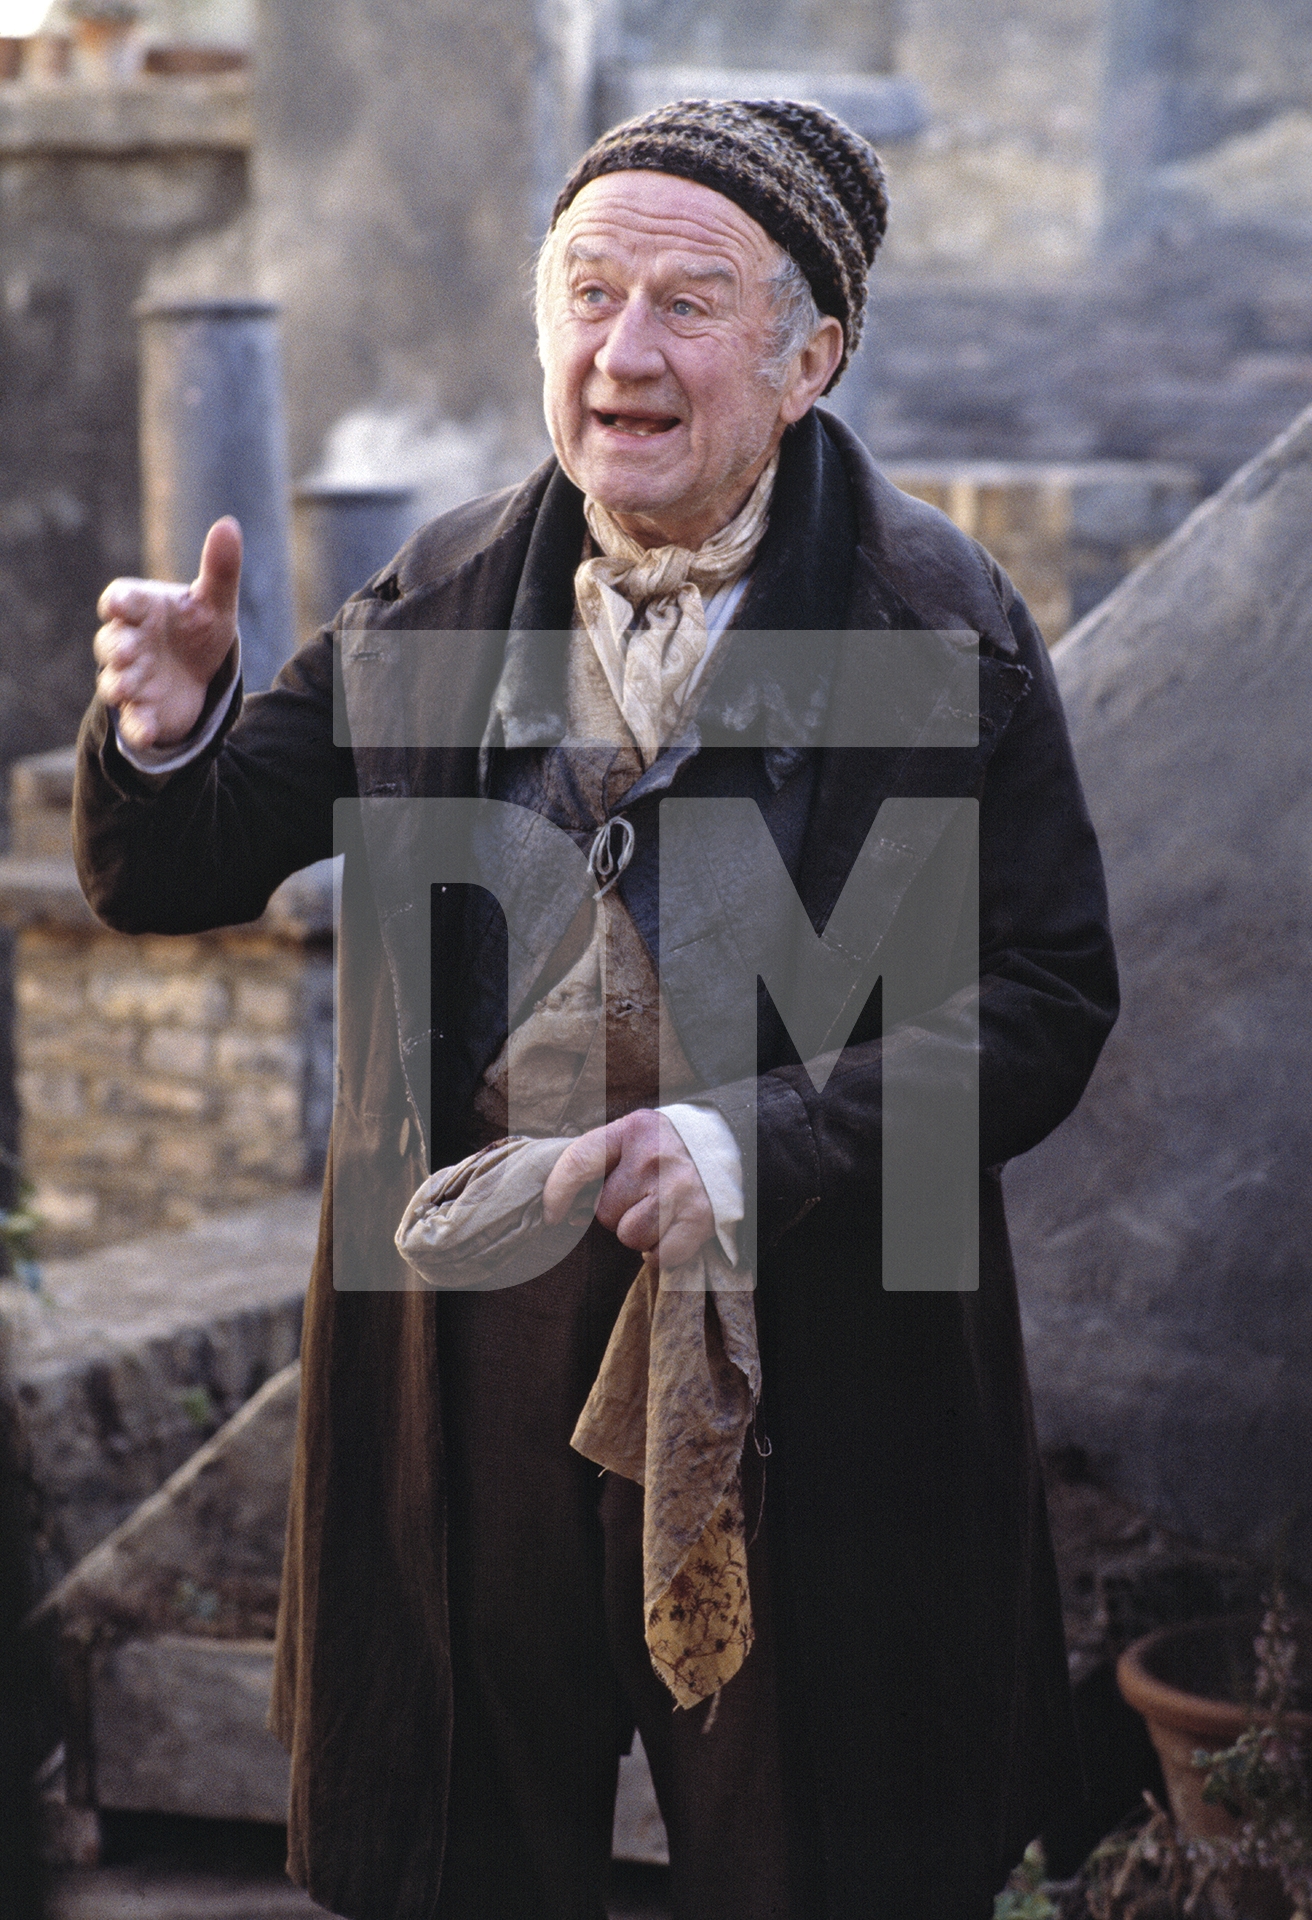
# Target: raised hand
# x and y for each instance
(653, 1199)
(161, 644)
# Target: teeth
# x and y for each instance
(644, 428)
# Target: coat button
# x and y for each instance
(404, 1140)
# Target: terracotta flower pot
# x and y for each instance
(1193, 1684)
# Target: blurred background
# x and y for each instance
(1094, 306)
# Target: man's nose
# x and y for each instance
(632, 347)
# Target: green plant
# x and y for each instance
(1025, 1896)
(1262, 1780)
(1151, 1872)
(198, 1407)
(19, 1227)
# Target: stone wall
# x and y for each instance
(1004, 184)
(1066, 534)
(407, 155)
(1187, 80)
(825, 36)
(165, 1078)
(96, 187)
(160, 1078)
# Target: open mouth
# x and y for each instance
(643, 425)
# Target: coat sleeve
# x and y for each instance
(1047, 994)
(206, 846)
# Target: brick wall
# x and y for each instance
(163, 1078)
(159, 1078)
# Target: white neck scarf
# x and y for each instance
(643, 610)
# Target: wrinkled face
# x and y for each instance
(657, 333)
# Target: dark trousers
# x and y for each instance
(550, 1666)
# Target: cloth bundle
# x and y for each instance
(670, 1408)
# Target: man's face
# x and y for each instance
(656, 335)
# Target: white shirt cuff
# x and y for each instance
(180, 753)
(714, 1152)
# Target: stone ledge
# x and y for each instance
(144, 117)
(45, 892)
(880, 106)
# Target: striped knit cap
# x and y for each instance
(816, 187)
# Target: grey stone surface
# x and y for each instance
(406, 158)
(172, 1893)
(1160, 358)
(835, 36)
(639, 1832)
(142, 117)
(130, 1358)
(204, 1553)
(178, 1726)
(1162, 1233)
(1003, 185)
(1185, 77)
(96, 186)
(40, 804)
(879, 106)
(42, 892)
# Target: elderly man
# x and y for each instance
(463, 1647)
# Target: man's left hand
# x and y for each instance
(652, 1199)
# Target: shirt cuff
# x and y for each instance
(180, 753)
(714, 1152)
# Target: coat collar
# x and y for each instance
(844, 547)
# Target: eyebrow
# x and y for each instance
(684, 269)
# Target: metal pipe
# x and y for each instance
(213, 441)
(341, 534)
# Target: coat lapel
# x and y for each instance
(484, 645)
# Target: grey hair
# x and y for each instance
(796, 315)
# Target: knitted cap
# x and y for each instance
(816, 187)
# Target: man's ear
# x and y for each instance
(813, 369)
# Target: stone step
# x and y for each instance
(149, 1892)
(131, 1357)
(204, 1553)
(178, 1726)
(168, 1660)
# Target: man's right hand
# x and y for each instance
(161, 645)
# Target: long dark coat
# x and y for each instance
(919, 1612)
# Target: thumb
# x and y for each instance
(219, 578)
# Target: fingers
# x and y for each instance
(653, 1199)
(585, 1162)
(130, 600)
(218, 582)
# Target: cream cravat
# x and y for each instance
(644, 611)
